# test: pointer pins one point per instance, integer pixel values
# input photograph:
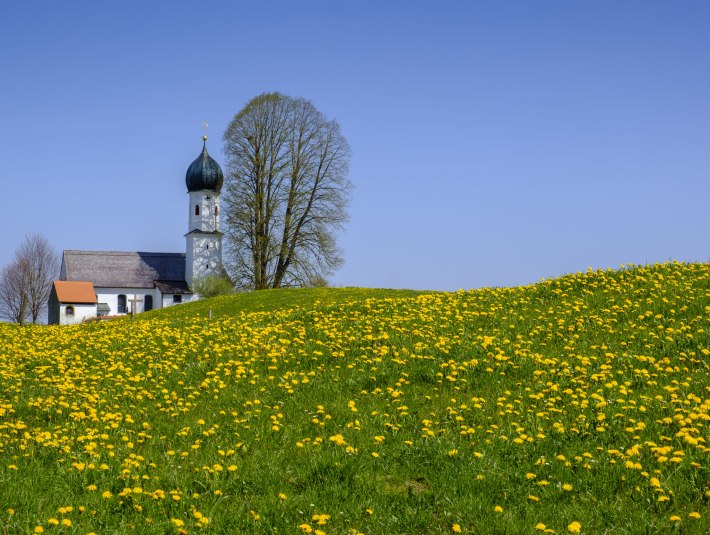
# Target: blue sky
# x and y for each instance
(494, 143)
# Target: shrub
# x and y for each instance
(212, 286)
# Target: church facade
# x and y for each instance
(113, 283)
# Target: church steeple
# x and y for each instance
(204, 173)
(204, 180)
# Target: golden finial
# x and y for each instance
(204, 138)
(204, 130)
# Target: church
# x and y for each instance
(113, 283)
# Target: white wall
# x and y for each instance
(202, 251)
(110, 297)
(81, 312)
(203, 254)
(168, 299)
(207, 201)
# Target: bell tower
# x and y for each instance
(204, 180)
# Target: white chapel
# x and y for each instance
(110, 283)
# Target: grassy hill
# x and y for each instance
(579, 404)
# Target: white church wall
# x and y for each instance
(203, 257)
(81, 312)
(110, 297)
(168, 300)
(208, 219)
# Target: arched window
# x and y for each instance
(197, 209)
(70, 311)
(216, 210)
(148, 303)
(121, 304)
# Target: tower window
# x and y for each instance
(216, 210)
(207, 246)
(197, 209)
(121, 304)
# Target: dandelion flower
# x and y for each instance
(574, 527)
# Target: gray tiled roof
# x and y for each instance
(115, 269)
(172, 287)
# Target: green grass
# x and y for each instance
(581, 399)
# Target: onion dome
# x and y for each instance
(204, 172)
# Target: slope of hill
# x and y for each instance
(578, 404)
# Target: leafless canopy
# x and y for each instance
(286, 193)
(25, 283)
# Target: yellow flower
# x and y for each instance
(498, 509)
(567, 487)
(540, 526)
(282, 495)
(456, 528)
(321, 520)
(694, 514)
(674, 518)
(66, 522)
(39, 529)
(574, 527)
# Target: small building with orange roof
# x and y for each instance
(72, 302)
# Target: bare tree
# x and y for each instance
(13, 296)
(26, 282)
(286, 193)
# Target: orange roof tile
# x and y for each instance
(75, 292)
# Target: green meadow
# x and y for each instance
(576, 405)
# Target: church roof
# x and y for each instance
(78, 292)
(172, 287)
(115, 269)
(205, 232)
(204, 172)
